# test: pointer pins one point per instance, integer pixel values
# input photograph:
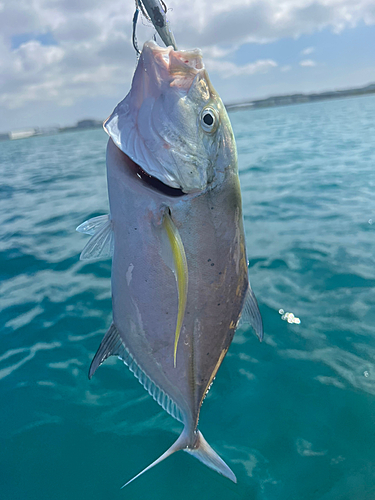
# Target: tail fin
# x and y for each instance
(201, 450)
(180, 444)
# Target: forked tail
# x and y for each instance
(200, 449)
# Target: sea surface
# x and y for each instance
(293, 416)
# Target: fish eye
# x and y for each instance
(209, 120)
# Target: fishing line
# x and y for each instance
(134, 35)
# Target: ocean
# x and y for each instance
(293, 416)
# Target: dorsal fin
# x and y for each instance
(113, 345)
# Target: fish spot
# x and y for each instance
(212, 264)
(212, 208)
(209, 260)
(219, 272)
(218, 304)
(207, 354)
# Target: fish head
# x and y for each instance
(172, 123)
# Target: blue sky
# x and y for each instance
(21, 38)
(65, 60)
(341, 60)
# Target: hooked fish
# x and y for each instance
(175, 233)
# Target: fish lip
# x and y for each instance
(179, 67)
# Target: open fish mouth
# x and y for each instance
(179, 68)
(149, 181)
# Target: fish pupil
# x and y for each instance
(208, 119)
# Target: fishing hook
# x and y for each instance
(155, 12)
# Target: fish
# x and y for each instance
(179, 278)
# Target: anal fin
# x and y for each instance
(113, 345)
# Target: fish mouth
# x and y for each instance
(149, 181)
(178, 67)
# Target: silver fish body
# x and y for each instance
(179, 269)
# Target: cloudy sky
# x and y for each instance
(64, 60)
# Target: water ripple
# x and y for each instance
(30, 353)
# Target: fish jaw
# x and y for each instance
(159, 123)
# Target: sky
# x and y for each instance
(66, 60)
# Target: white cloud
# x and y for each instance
(307, 51)
(216, 52)
(228, 69)
(286, 68)
(240, 21)
(307, 62)
(93, 56)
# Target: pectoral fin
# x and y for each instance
(91, 226)
(100, 245)
(175, 257)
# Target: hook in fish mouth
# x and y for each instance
(179, 68)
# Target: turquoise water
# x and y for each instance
(293, 416)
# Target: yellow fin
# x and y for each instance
(181, 273)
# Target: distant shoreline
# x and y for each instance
(269, 102)
(286, 100)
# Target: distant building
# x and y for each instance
(22, 134)
(88, 123)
